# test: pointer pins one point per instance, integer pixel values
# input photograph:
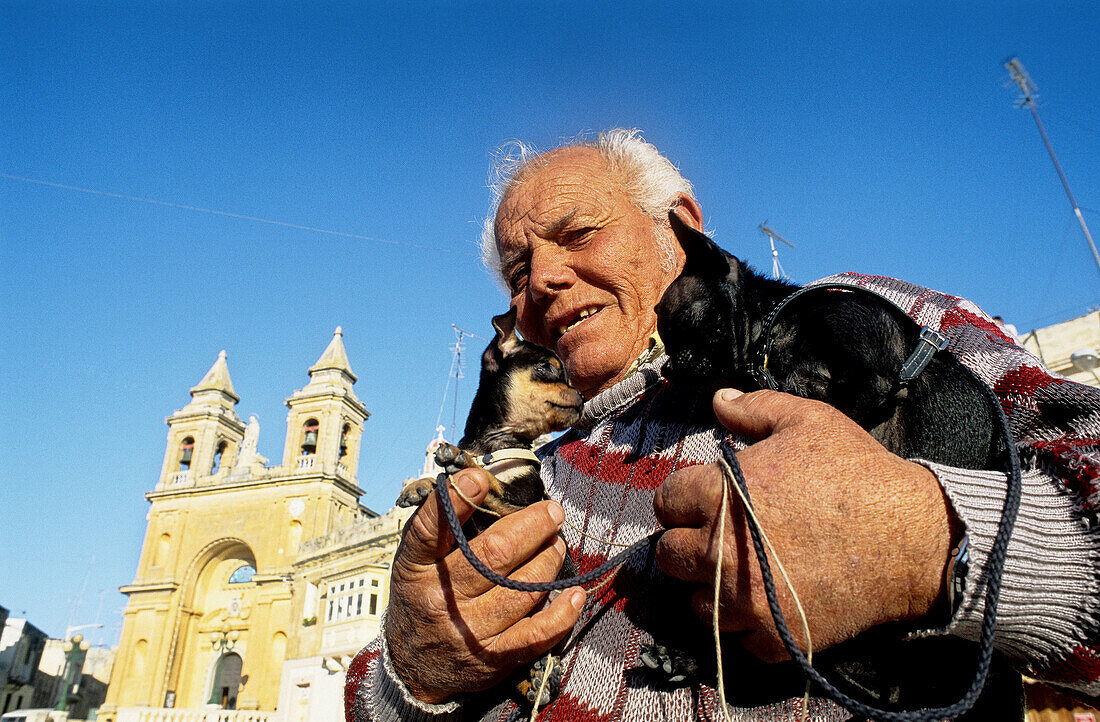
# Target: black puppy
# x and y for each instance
(847, 349)
(523, 393)
(841, 347)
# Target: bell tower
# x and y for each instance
(324, 426)
(209, 614)
(204, 436)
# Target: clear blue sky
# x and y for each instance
(877, 136)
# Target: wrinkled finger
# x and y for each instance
(759, 414)
(688, 554)
(766, 645)
(505, 605)
(506, 545)
(689, 497)
(736, 614)
(427, 538)
(534, 636)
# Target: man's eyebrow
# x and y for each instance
(557, 226)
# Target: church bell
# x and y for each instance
(309, 441)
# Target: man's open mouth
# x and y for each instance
(585, 313)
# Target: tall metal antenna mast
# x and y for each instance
(777, 268)
(1028, 93)
(457, 348)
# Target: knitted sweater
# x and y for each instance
(632, 436)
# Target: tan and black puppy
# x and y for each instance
(523, 394)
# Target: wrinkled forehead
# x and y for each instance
(555, 190)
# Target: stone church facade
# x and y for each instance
(256, 584)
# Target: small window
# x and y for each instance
(242, 575)
(187, 451)
(359, 605)
(374, 582)
(373, 605)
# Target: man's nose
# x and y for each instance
(550, 273)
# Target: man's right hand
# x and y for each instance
(451, 631)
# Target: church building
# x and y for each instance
(256, 584)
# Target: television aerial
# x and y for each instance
(777, 267)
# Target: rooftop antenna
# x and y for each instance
(777, 267)
(1028, 93)
(457, 348)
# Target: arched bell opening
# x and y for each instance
(222, 446)
(344, 433)
(309, 437)
(187, 452)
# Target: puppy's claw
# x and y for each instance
(416, 492)
(648, 657)
(446, 453)
(665, 663)
(529, 687)
(452, 459)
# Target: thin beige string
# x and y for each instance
(730, 481)
(595, 538)
(542, 685)
(468, 501)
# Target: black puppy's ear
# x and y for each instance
(505, 343)
(704, 257)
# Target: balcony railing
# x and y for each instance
(306, 462)
(180, 478)
(161, 714)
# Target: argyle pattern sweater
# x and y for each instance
(632, 436)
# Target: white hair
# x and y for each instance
(649, 179)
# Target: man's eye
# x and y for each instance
(579, 236)
(517, 279)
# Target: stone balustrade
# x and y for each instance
(164, 714)
(180, 478)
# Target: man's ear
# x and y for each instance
(687, 208)
(506, 340)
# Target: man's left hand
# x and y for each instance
(863, 534)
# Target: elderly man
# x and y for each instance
(582, 241)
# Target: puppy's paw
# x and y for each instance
(672, 666)
(529, 687)
(416, 492)
(451, 458)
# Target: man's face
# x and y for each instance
(584, 266)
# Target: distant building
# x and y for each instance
(21, 646)
(73, 670)
(3, 669)
(1070, 348)
(256, 584)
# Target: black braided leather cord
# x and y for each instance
(581, 579)
(989, 620)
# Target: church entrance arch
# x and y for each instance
(219, 597)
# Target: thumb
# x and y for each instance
(755, 415)
(427, 537)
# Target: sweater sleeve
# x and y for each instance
(374, 693)
(1048, 616)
